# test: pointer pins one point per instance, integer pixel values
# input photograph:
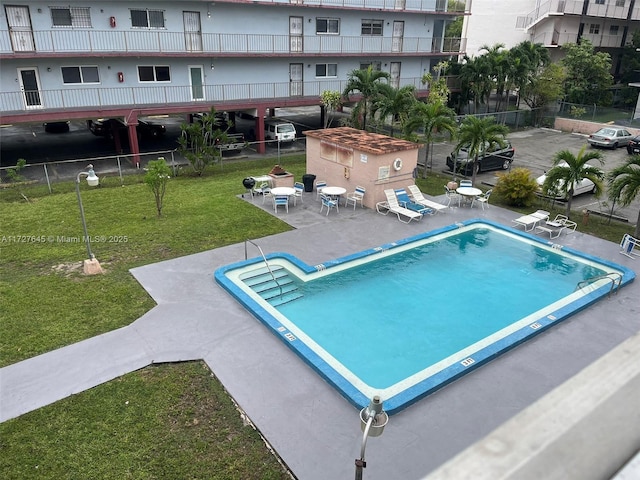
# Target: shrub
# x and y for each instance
(518, 187)
(157, 176)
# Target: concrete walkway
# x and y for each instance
(313, 429)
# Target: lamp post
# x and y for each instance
(91, 265)
(373, 419)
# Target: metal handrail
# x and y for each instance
(614, 281)
(265, 261)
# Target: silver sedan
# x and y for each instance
(611, 137)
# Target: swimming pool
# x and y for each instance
(406, 318)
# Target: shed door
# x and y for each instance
(192, 31)
(20, 28)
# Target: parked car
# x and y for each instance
(584, 186)
(56, 127)
(633, 147)
(221, 121)
(495, 157)
(610, 137)
(105, 127)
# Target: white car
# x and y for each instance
(584, 186)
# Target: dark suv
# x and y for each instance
(107, 126)
(633, 147)
(495, 158)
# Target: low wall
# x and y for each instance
(585, 429)
(581, 126)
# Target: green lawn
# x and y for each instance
(163, 422)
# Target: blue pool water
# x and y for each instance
(404, 319)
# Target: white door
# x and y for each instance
(196, 81)
(395, 74)
(295, 34)
(20, 28)
(398, 34)
(295, 79)
(192, 31)
(30, 87)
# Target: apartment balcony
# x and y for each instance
(572, 7)
(425, 6)
(57, 43)
(557, 39)
(100, 98)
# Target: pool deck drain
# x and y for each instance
(314, 429)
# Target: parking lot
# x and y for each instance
(535, 149)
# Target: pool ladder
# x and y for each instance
(273, 284)
(614, 277)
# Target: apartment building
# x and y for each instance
(608, 24)
(125, 59)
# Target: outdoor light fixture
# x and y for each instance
(91, 265)
(373, 419)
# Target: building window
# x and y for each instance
(613, 30)
(377, 66)
(372, 27)
(594, 28)
(599, 2)
(326, 69)
(154, 73)
(70, 17)
(80, 75)
(619, 3)
(328, 25)
(147, 18)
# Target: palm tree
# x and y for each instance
(394, 102)
(366, 82)
(569, 169)
(624, 185)
(477, 134)
(430, 117)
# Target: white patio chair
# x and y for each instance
(483, 199)
(280, 201)
(355, 197)
(329, 203)
(628, 246)
(299, 191)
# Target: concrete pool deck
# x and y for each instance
(312, 428)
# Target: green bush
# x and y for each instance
(517, 188)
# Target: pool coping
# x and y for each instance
(425, 387)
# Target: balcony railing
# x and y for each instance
(153, 42)
(408, 5)
(573, 7)
(99, 97)
(558, 39)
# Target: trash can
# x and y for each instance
(307, 180)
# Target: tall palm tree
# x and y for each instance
(430, 117)
(624, 185)
(478, 134)
(367, 82)
(569, 169)
(394, 102)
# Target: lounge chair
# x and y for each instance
(558, 225)
(628, 246)
(530, 221)
(406, 202)
(483, 199)
(355, 197)
(329, 203)
(391, 205)
(418, 197)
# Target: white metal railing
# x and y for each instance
(98, 96)
(574, 7)
(408, 5)
(136, 41)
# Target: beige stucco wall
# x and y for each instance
(582, 126)
(361, 168)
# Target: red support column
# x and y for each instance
(133, 143)
(261, 145)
